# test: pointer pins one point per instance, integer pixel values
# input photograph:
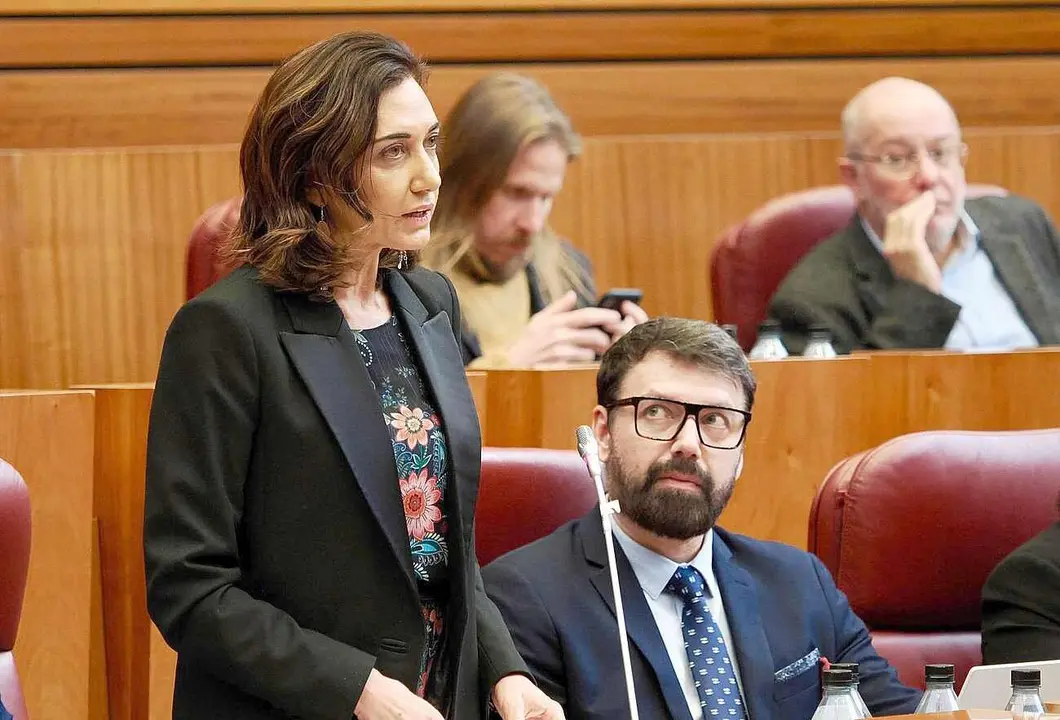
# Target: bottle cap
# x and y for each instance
(769, 326)
(1030, 678)
(938, 673)
(837, 678)
(855, 671)
(820, 332)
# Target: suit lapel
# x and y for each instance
(640, 623)
(434, 344)
(326, 357)
(875, 276)
(1024, 284)
(748, 634)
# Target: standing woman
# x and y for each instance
(314, 452)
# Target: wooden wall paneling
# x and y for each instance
(938, 390)
(597, 35)
(92, 254)
(101, 260)
(120, 463)
(48, 437)
(109, 108)
(98, 702)
(539, 408)
(94, 7)
(808, 415)
(647, 210)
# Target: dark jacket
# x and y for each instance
(1021, 603)
(277, 555)
(780, 602)
(848, 286)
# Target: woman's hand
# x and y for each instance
(384, 698)
(517, 698)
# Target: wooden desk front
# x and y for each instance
(47, 437)
(808, 415)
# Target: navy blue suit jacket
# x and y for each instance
(781, 604)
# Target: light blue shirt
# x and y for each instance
(653, 572)
(988, 319)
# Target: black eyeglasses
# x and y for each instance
(721, 428)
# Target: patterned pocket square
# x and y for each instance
(807, 662)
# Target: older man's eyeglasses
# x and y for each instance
(721, 428)
(904, 165)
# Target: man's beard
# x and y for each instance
(940, 233)
(668, 512)
(478, 267)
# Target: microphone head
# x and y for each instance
(586, 440)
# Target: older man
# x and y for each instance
(919, 266)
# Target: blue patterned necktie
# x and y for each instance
(715, 681)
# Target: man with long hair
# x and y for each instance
(527, 295)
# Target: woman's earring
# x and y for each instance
(403, 260)
(318, 213)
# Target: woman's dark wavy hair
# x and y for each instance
(311, 127)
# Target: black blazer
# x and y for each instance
(847, 285)
(277, 556)
(1021, 603)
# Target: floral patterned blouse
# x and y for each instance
(422, 460)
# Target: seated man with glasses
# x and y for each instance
(919, 266)
(719, 624)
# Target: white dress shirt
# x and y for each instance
(653, 572)
(988, 319)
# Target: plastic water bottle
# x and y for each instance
(769, 345)
(855, 670)
(938, 695)
(837, 701)
(820, 343)
(1026, 698)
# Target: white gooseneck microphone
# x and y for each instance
(590, 453)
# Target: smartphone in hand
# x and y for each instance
(613, 298)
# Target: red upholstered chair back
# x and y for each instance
(752, 258)
(14, 564)
(203, 267)
(526, 493)
(911, 529)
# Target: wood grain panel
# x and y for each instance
(539, 408)
(121, 420)
(937, 390)
(48, 437)
(100, 263)
(647, 210)
(104, 7)
(93, 256)
(110, 108)
(808, 414)
(145, 41)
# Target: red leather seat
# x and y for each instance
(14, 564)
(526, 493)
(203, 268)
(911, 529)
(752, 258)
